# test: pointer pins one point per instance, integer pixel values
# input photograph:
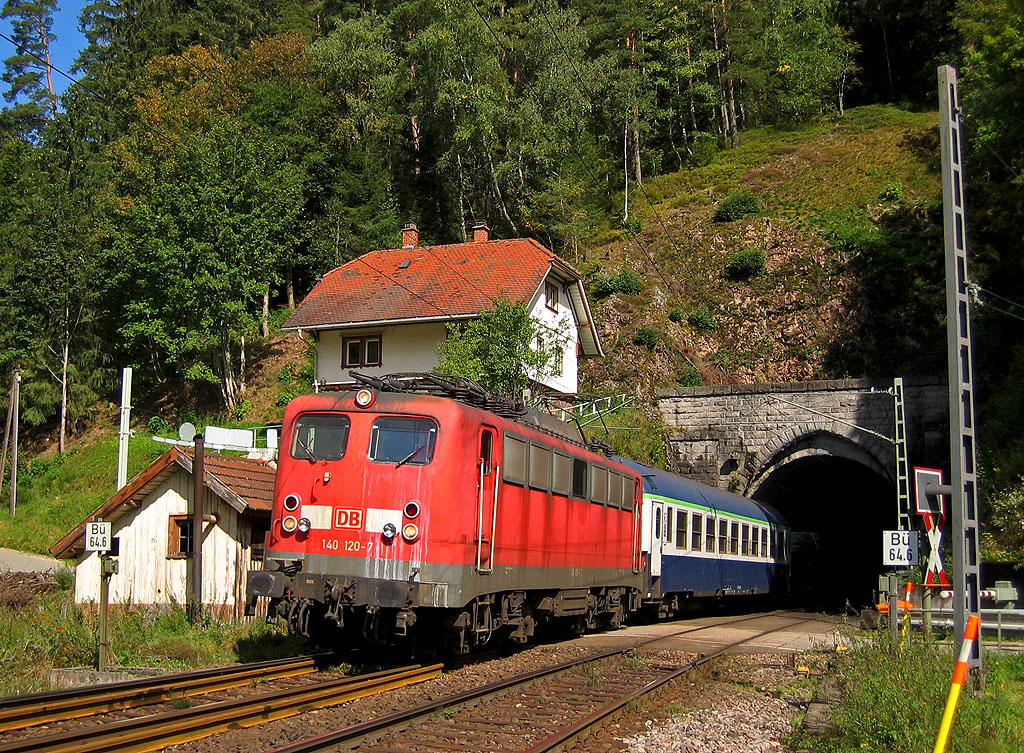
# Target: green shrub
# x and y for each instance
(745, 263)
(703, 148)
(158, 425)
(647, 337)
(736, 205)
(702, 319)
(688, 376)
(625, 282)
(283, 398)
(633, 225)
(893, 192)
(675, 315)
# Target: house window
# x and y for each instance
(361, 351)
(551, 296)
(179, 536)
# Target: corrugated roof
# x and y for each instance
(241, 482)
(454, 280)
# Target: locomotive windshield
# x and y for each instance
(402, 440)
(320, 437)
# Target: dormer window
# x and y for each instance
(551, 296)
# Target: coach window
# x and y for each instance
(734, 538)
(540, 467)
(579, 478)
(745, 541)
(755, 538)
(723, 536)
(695, 532)
(514, 454)
(320, 436)
(709, 534)
(402, 441)
(764, 542)
(668, 525)
(614, 489)
(599, 485)
(682, 518)
(561, 474)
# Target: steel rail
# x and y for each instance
(571, 735)
(158, 731)
(374, 729)
(18, 712)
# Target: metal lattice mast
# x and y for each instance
(963, 470)
(902, 467)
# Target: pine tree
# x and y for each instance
(27, 72)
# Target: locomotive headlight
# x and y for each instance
(412, 509)
(291, 502)
(389, 531)
(365, 398)
(410, 532)
(304, 525)
(289, 524)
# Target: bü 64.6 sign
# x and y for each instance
(900, 548)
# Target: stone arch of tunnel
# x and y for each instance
(838, 496)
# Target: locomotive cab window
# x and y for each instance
(320, 437)
(402, 440)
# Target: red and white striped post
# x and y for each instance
(959, 677)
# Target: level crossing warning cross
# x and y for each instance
(932, 507)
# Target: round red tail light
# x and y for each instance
(412, 509)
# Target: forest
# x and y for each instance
(211, 160)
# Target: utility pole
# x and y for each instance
(198, 492)
(125, 430)
(962, 461)
(15, 396)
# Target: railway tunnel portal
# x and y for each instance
(820, 452)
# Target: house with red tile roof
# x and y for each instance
(387, 311)
(150, 519)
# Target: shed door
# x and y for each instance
(487, 500)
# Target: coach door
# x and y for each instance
(487, 501)
(657, 534)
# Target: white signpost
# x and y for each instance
(97, 536)
(900, 549)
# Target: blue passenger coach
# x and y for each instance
(700, 541)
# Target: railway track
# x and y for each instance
(19, 712)
(156, 731)
(541, 711)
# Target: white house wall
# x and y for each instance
(403, 347)
(559, 321)
(147, 576)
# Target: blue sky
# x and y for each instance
(69, 40)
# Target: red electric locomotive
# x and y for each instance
(401, 511)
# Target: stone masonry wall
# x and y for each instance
(732, 436)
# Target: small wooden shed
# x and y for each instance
(151, 520)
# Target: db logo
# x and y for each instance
(348, 518)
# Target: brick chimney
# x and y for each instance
(481, 231)
(410, 235)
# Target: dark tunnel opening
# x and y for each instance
(846, 505)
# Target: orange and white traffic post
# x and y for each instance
(959, 677)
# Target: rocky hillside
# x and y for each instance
(824, 261)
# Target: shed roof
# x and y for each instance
(453, 281)
(242, 483)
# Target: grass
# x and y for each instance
(56, 492)
(893, 701)
(53, 632)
